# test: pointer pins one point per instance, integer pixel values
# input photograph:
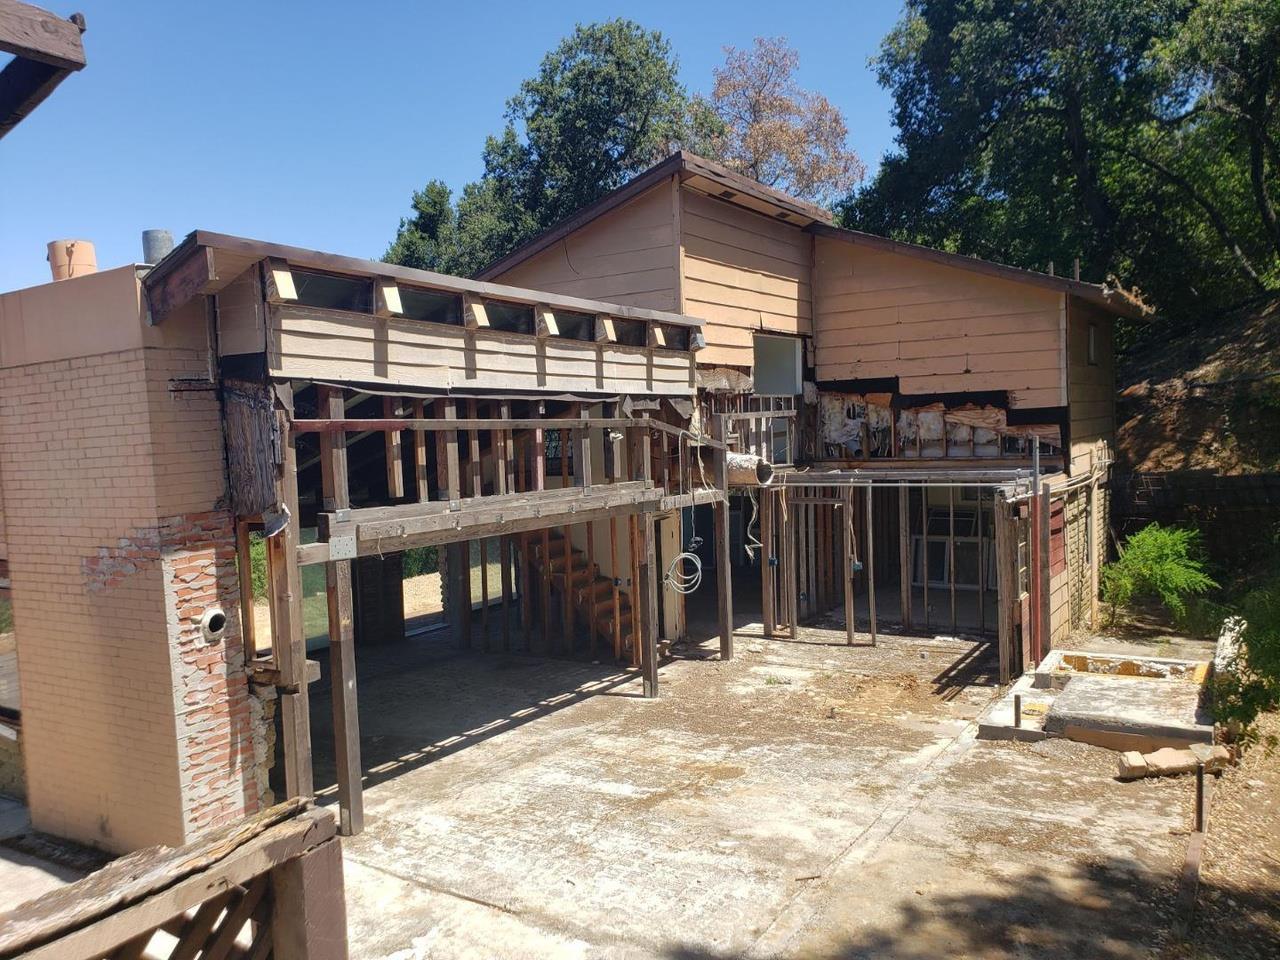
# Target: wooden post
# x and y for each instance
(1095, 554)
(1006, 585)
(720, 522)
(789, 572)
(904, 551)
(647, 615)
(637, 608)
(870, 553)
(924, 552)
(951, 552)
(1044, 547)
(420, 454)
(475, 468)
(982, 570)
(766, 556)
(457, 555)
(342, 655)
(244, 566)
(504, 483)
(309, 910)
(290, 642)
(846, 517)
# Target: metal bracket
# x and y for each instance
(342, 548)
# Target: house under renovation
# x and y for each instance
(940, 425)
(220, 464)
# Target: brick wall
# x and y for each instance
(137, 730)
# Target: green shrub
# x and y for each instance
(1251, 685)
(1158, 563)
(420, 560)
(258, 563)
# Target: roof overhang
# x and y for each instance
(46, 49)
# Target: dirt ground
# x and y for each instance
(804, 800)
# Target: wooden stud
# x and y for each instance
(277, 282)
(386, 298)
(657, 336)
(395, 458)
(474, 314)
(617, 600)
(342, 659)
(982, 570)
(544, 322)
(420, 472)
(637, 607)
(924, 553)
(605, 329)
(244, 568)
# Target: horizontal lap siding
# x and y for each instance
(939, 329)
(742, 273)
(1090, 387)
(626, 256)
(334, 345)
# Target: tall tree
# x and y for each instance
(778, 133)
(1038, 131)
(604, 105)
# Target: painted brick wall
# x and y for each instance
(136, 729)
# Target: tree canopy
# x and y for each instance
(1136, 135)
(776, 132)
(604, 105)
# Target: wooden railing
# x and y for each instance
(269, 886)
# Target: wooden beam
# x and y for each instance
(35, 34)
(657, 336)
(342, 658)
(24, 85)
(846, 576)
(1044, 548)
(309, 911)
(192, 277)
(720, 523)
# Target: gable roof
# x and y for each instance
(721, 183)
(697, 172)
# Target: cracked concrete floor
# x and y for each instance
(806, 799)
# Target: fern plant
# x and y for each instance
(1159, 563)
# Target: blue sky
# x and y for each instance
(312, 123)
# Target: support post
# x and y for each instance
(870, 553)
(904, 551)
(847, 525)
(309, 910)
(766, 561)
(720, 514)
(342, 656)
(646, 617)
(289, 642)
(1046, 623)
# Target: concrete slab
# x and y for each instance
(1129, 713)
(528, 808)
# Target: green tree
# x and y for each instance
(604, 105)
(1055, 129)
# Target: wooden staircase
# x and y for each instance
(589, 592)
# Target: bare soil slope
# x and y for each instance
(1203, 401)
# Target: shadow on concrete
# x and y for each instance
(1104, 910)
(422, 700)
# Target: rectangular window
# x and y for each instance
(777, 367)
